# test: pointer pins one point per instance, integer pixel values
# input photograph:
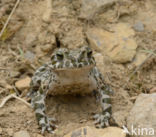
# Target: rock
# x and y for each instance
(10, 131)
(23, 83)
(21, 133)
(141, 121)
(91, 7)
(119, 45)
(139, 26)
(94, 132)
(139, 58)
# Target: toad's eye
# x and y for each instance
(59, 56)
(89, 53)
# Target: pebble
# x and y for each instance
(139, 26)
(23, 83)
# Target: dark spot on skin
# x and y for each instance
(103, 87)
(106, 100)
(85, 62)
(74, 62)
(53, 62)
(42, 69)
(41, 90)
(37, 98)
(80, 65)
(38, 81)
(105, 90)
(39, 116)
(89, 54)
(60, 56)
(52, 57)
(109, 109)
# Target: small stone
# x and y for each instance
(139, 26)
(21, 134)
(10, 131)
(23, 83)
(8, 87)
(94, 132)
(139, 58)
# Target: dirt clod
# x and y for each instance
(23, 83)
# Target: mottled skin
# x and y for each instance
(69, 72)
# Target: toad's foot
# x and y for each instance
(47, 124)
(102, 120)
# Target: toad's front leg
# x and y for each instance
(38, 103)
(103, 118)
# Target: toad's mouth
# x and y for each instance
(75, 69)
